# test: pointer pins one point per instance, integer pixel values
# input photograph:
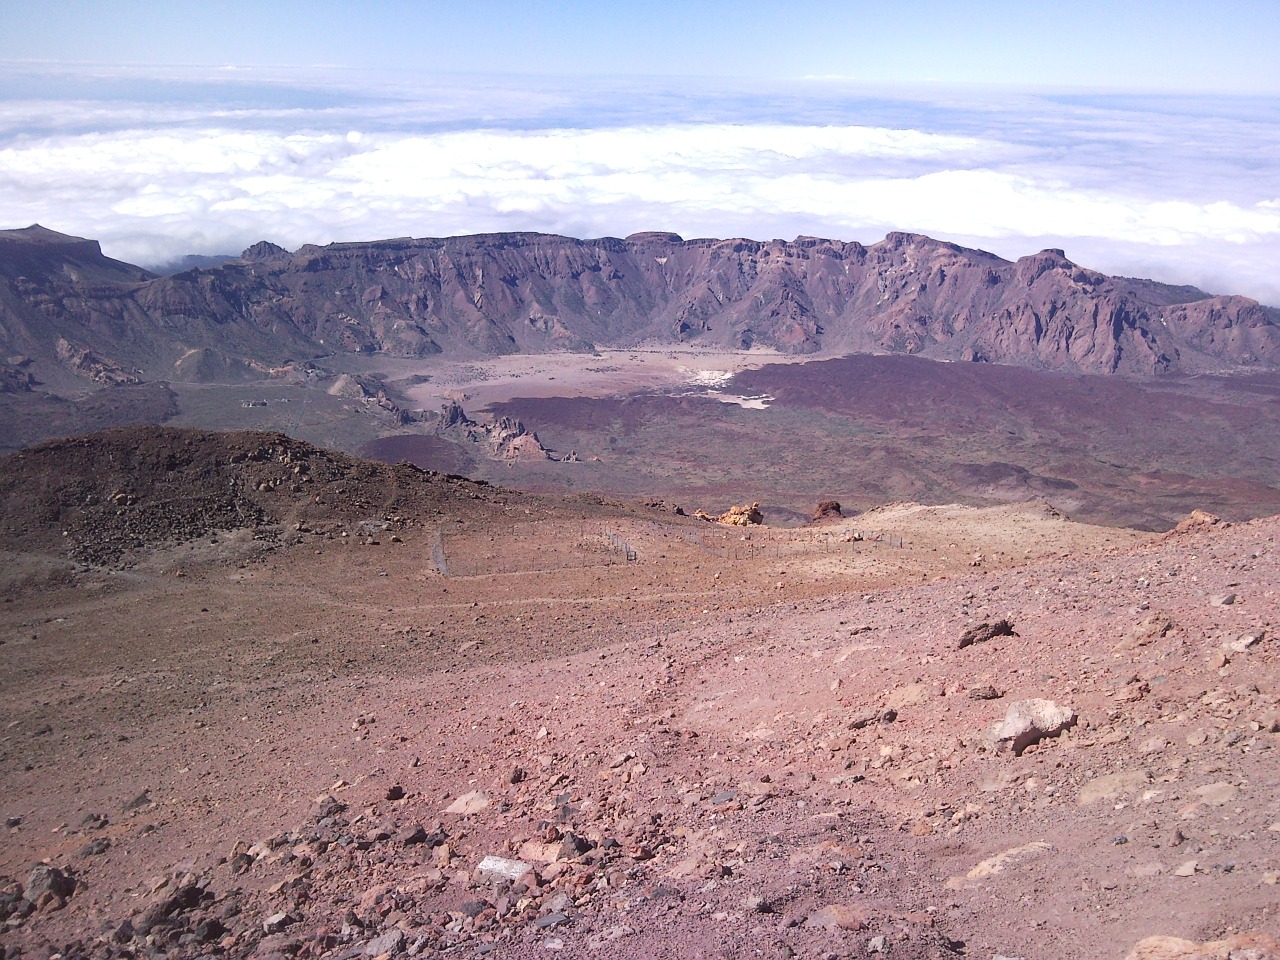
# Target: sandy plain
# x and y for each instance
(478, 383)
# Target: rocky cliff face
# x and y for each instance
(506, 293)
(73, 320)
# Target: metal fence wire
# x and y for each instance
(781, 544)
(628, 552)
(534, 548)
(531, 548)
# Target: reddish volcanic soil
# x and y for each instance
(277, 740)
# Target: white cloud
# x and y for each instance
(1128, 192)
(988, 203)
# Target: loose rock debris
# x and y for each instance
(292, 758)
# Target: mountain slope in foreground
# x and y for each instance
(317, 750)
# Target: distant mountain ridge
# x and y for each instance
(69, 314)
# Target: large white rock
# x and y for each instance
(1030, 721)
(502, 868)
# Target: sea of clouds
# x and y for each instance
(161, 164)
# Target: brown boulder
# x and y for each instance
(982, 632)
(828, 511)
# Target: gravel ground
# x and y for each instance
(281, 742)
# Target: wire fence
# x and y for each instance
(758, 543)
(437, 554)
(626, 550)
(536, 547)
(531, 548)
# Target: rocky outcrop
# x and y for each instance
(369, 391)
(828, 511)
(452, 415)
(88, 363)
(505, 437)
(512, 440)
(1196, 520)
(743, 516)
(524, 292)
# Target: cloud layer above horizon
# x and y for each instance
(1180, 189)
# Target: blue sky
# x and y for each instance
(1161, 45)
(1144, 138)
